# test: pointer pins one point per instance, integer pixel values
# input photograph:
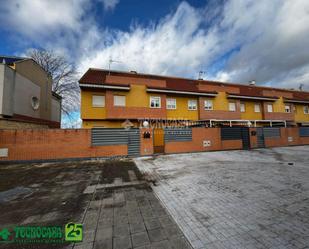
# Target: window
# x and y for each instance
(192, 104)
(306, 109)
(232, 106)
(287, 108)
(269, 108)
(242, 107)
(257, 108)
(208, 105)
(98, 101)
(155, 102)
(119, 100)
(171, 104)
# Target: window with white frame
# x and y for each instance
(257, 108)
(287, 108)
(269, 108)
(155, 102)
(171, 104)
(119, 100)
(98, 101)
(192, 104)
(232, 106)
(306, 109)
(242, 107)
(208, 104)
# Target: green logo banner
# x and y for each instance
(71, 232)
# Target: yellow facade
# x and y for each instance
(87, 110)
(300, 115)
(182, 111)
(249, 113)
(106, 124)
(220, 102)
(138, 97)
(278, 105)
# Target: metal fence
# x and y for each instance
(304, 131)
(231, 133)
(272, 132)
(177, 134)
(105, 136)
(114, 136)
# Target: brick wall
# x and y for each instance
(54, 144)
(40, 144)
(198, 136)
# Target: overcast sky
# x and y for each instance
(234, 40)
(229, 40)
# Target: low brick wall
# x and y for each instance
(288, 137)
(54, 144)
(44, 144)
(199, 135)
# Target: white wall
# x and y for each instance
(7, 85)
(56, 110)
(1, 86)
(24, 91)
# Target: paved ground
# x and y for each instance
(118, 209)
(236, 199)
(129, 217)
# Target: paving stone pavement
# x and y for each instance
(129, 217)
(236, 199)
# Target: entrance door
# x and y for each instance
(158, 140)
(260, 137)
(245, 138)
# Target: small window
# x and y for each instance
(192, 104)
(242, 107)
(155, 102)
(257, 108)
(208, 105)
(98, 101)
(269, 108)
(171, 104)
(287, 108)
(232, 106)
(306, 109)
(119, 100)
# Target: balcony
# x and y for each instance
(279, 116)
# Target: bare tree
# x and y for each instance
(64, 77)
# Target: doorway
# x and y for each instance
(158, 140)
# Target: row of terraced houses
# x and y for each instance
(109, 98)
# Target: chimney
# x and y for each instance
(252, 82)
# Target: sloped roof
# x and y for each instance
(98, 76)
(11, 59)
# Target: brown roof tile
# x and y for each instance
(98, 76)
